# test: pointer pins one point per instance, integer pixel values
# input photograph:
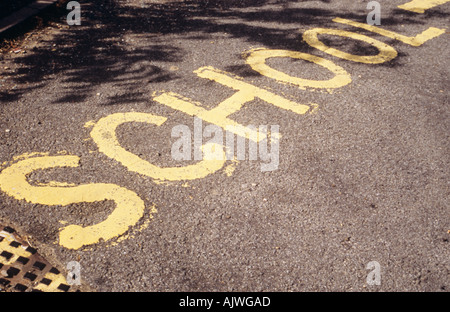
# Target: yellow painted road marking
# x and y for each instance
(257, 60)
(129, 206)
(104, 135)
(250, 91)
(219, 115)
(415, 41)
(386, 54)
(420, 6)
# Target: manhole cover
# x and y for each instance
(23, 269)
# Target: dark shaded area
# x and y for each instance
(95, 52)
(9, 6)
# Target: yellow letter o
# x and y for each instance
(257, 60)
(386, 54)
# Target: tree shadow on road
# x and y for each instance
(123, 43)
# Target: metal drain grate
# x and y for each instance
(23, 269)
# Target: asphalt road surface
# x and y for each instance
(355, 196)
